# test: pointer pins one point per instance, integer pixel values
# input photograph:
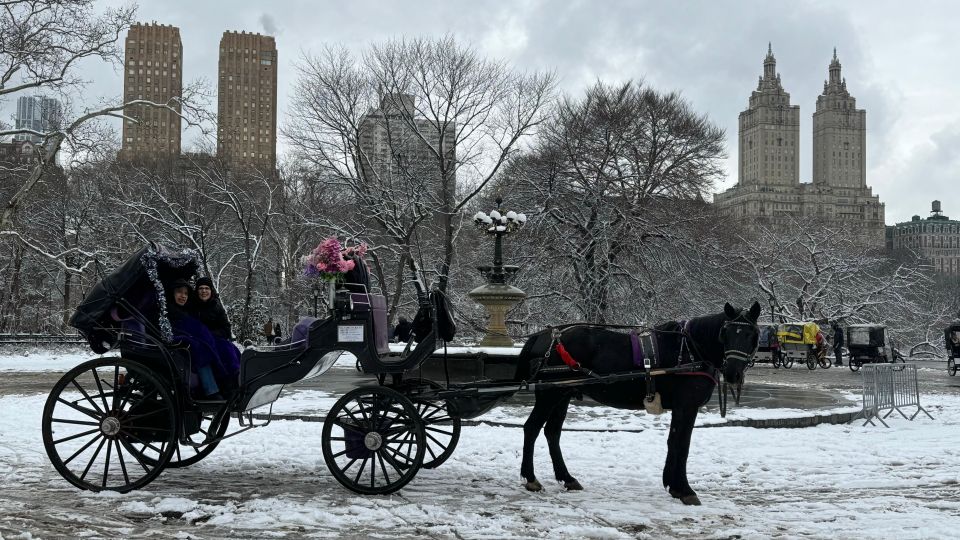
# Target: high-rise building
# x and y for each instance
(770, 132)
(769, 191)
(38, 113)
(936, 239)
(153, 71)
(839, 135)
(395, 150)
(247, 100)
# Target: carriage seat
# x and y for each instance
(376, 304)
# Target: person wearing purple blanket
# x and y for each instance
(206, 307)
(204, 355)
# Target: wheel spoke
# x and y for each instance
(116, 385)
(80, 451)
(393, 463)
(438, 430)
(92, 459)
(76, 436)
(106, 465)
(141, 441)
(88, 412)
(103, 396)
(363, 465)
(373, 469)
(123, 465)
(77, 422)
(345, 426)
(383, 468)
(88, 398)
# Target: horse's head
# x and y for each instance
(740, 337)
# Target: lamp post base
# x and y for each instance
(497, 299)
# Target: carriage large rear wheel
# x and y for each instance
(373, 440)
(97, 413)
(952, 366)
(442, 430)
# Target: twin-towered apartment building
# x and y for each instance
(246, 96)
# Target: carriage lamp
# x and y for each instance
(496, 295)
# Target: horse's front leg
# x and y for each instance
(542, 406)
(679, 486)
(552, 432)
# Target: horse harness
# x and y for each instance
(645, 356)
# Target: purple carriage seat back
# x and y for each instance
(301, 331)
(378, 305)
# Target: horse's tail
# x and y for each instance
(533, 350)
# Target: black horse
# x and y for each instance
(722, 343)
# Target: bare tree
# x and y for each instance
(414, 130)
(616, 176)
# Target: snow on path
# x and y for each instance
(824, 482)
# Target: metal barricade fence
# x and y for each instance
(890, 387)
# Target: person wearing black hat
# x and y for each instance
(206, 307)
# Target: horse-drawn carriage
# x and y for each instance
(803, 342)
(115, 422)
(869, 344)
(768, 350)
(951, 338)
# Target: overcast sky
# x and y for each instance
(898, 58)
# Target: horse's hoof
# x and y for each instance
(572, 485)
(533, 485)
(676, 494)
(690, 500)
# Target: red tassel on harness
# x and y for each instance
(565, 356)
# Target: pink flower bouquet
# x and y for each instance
(326, 260)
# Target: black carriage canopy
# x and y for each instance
(865, 335)
(137, 288)
(952, 334)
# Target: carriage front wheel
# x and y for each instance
(100, 410)
(787, 361)
(952, 366)
(373, 440)
(811, 360)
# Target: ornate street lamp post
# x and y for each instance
(496, 295)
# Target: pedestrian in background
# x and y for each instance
(838, 343)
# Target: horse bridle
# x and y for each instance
(735, 354)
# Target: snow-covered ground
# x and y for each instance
(828, 481)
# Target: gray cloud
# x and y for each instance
(893, 54)
(268, 25)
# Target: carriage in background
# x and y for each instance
(869, 344)
(951, 337)
(802, 342)
(768, 350)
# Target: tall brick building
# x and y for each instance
(153, 71)
(247, 101)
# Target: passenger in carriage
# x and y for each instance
(208, 309)
(203, 348)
